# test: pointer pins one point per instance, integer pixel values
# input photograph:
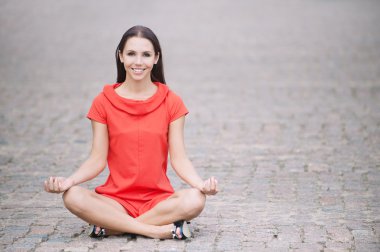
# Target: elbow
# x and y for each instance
(174, 163)
(102, 165)
(97, 169)
(178, 162)
(98, 163)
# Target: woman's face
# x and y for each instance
(138, 58)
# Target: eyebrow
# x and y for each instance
(143, 51)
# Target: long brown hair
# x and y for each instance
(157, 73)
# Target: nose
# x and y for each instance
(138, 60)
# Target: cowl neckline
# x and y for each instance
(136, 107)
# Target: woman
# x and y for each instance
(136, 122)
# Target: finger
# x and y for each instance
(207, 185)
(56, 186)
(59, 185)
(63, 186)
(51, 184)
(46, 186)
(66, 184)
(212, 184)
(204, 189)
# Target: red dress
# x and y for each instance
(138, 145)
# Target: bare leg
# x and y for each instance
(93, 208)
(118, 207)
(182, 205)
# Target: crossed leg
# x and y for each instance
(155, 223)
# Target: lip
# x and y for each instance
(138, 70)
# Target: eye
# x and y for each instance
(146, 54)
(130, 53)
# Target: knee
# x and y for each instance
(73, 199)
(194, 202)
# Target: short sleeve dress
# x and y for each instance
(138, 145)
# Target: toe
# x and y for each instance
(178, 232)
(97, 230)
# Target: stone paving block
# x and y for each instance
(47, 249)
(367, 247)
(6, 214)
(307, 247)
(41, 230)
(52, 222)
(364, 236)
(339, 246)
(277, 244)
(314, 234)
(314, 167)
(6, 239)
(251, 245)
(76, 249)
(289, 234)
(29, 242)
(377, 230)
(228, 245)
(18, 249)
(340, 234)
(139, 244)
(285, 116)
(114, 245)
(13, 233)
(170, 247)
(336, 250)
(263, 235)
(200, 244)
(51, 245)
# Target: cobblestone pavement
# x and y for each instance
(282, 98)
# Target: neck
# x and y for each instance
(137, 86)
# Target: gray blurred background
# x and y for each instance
(284, 111)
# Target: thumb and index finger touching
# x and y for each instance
(56, 184)
(211, 186)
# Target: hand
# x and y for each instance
(210, 186)
(58, 184)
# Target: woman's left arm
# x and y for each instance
(181, 163)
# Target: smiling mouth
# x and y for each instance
(138, 70)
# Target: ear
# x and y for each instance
(156, 58)
(121, 57)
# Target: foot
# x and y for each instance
(181, 230)
(97, 232)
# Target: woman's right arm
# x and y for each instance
(90, 168)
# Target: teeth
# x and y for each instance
(138, 70)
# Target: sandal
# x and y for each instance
(184, 229)
(100, 234)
